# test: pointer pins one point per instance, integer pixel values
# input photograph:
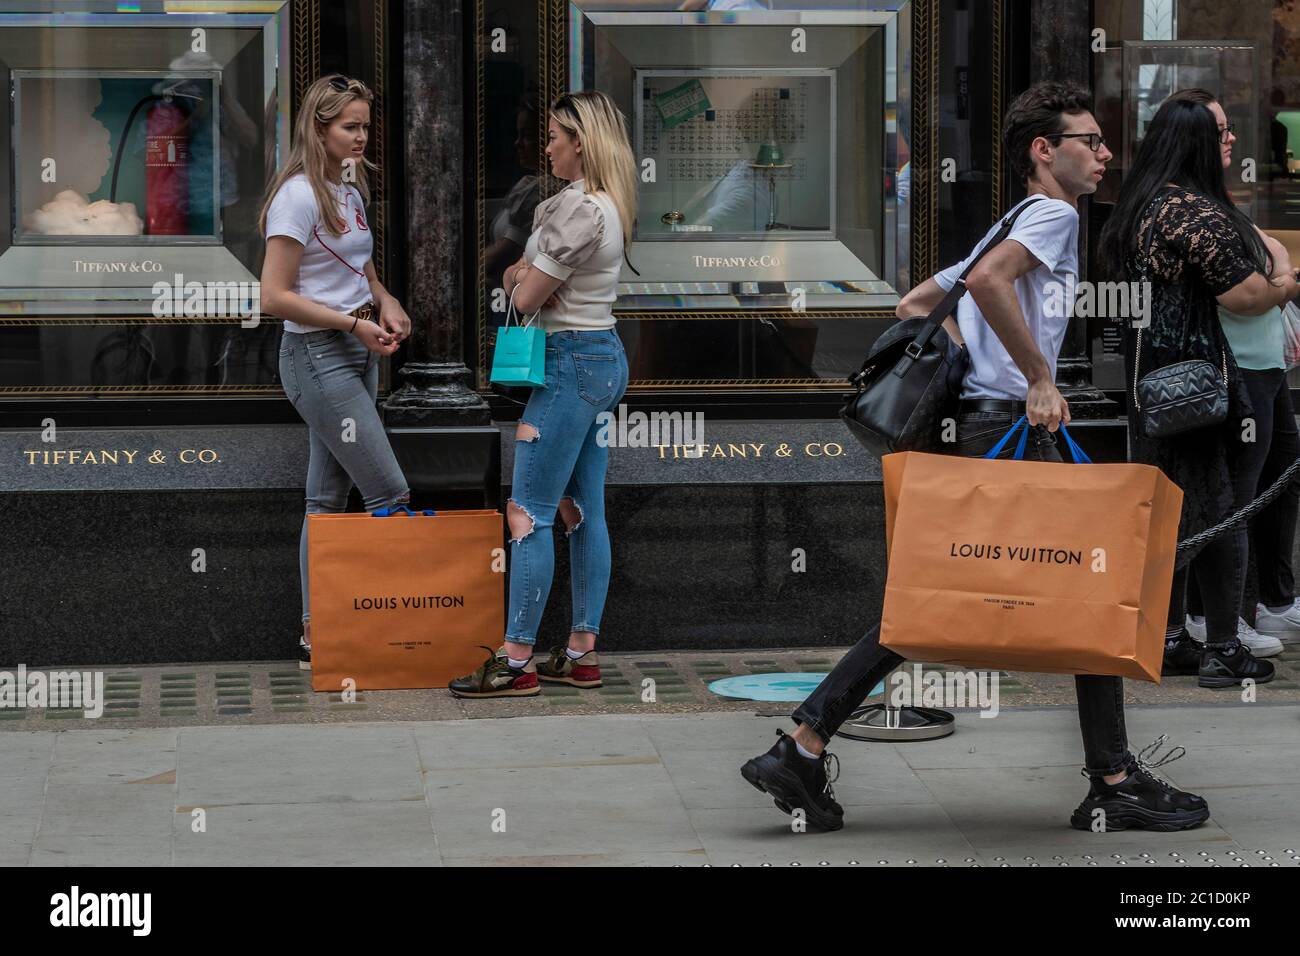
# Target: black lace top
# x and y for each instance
(1196, 255)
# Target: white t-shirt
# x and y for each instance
(332, 271)
(1049, 229)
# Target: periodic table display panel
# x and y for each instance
(704, 130)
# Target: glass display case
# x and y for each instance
(769, 144)
(775, 232)
(138, 148)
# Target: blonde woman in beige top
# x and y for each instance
(569, 271)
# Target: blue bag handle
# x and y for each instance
(400, 510)
(1078, 454)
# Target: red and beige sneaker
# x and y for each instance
(560, 668)
(496, 678)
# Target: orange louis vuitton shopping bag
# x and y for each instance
(403, 600)
(1029, 565)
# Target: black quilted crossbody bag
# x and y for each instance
(1183, 396)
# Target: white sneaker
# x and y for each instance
(1260, 645)
(1285, 626)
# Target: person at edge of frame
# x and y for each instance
(1013, 341)
(1204, 254)
(1262, 453)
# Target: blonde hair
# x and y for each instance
(608, 165)
(322, 103)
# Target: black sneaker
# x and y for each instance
(1141, 801)
(304, 654)
(1227, 665)
(1182, 656)
(795, 782)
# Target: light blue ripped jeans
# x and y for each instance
(586, 374)
(332, 379)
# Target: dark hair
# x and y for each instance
(1037, 112)
(1181, 146)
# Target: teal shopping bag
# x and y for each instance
(519, 357)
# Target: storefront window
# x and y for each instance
(773, 236)
(1246, 55)
(138, 141)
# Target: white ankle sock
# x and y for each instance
(519, 665)
(1172, 632)
(574, 655)
(805, 753)
(1198, 618)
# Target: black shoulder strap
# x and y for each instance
(945, 308)
(1146, 243)
(1145, 277)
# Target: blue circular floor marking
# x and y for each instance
(772, 687)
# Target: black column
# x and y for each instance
(437, 389)
(1060, 38)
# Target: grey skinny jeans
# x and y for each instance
(332, 379)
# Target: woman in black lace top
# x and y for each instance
(1204, 252)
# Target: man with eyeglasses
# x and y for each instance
(1014, 338)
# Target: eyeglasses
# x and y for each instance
(339, 83)
(1095, 140)
(1226, 132)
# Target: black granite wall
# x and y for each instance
(105, 577)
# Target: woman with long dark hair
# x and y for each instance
(1203, 253)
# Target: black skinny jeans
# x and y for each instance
(1101, 699)
(1218, 573)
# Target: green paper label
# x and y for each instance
(681, 103)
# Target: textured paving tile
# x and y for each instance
(278, 692)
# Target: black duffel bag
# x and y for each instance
(912, 377)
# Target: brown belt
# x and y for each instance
(366, 312)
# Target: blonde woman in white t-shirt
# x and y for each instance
(338, 317)
(569, 270)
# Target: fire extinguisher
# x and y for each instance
(166, 166)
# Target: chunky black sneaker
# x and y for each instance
(560, 668)
(795, 782)
(304, 654)
(1141, 801)
(1227, 665)
(496, 678)
(1182, 656)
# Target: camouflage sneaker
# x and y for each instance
(496, 678)
(562, 669)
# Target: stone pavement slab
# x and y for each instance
(624, 789)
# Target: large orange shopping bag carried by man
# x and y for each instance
(401, 598)
(1029, 565)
